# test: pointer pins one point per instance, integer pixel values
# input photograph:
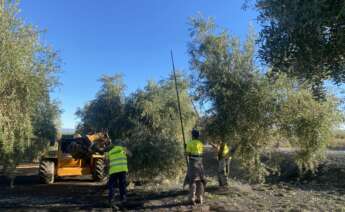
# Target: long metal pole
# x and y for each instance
(179, 104)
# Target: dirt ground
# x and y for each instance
(81, 194)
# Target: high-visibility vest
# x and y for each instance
(117, 160)
(195, 148)
(225, 150)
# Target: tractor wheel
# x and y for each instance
(46, 171)
(99, 171)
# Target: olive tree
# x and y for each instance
(247, 109)
(146, 121)
(239, 97)
(307, 124)
(157, 135)
(304, 39)
(106, 111)
(27, 72)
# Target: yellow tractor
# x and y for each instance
(75, 156)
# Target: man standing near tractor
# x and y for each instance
(116, 156)
(195, 173)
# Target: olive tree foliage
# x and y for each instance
(157, 138)
(156, 107)
(304, 39)
(107, 111)
(247, 109)
(146, 121)
(27, 73)
(45, 122)
(306, 123)
(239, 97)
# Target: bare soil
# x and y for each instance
(322, 192)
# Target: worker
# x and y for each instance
(195, 173)
(223, 165)
(118, 168)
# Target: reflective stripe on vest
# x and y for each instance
(117, 160)
(195, 147)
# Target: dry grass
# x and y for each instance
(338, 143)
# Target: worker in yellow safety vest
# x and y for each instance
(118, 168)
(195, 174)
(223, 165)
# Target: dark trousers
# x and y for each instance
(118, 180)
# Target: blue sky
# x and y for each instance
(131, 37)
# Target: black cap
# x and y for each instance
(195, 133)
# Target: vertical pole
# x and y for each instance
(179, 104)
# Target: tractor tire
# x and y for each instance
(99, 171)
(47, 171)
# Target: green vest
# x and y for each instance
(117, 160)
